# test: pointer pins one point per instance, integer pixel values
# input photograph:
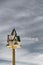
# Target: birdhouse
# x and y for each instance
(13, 40)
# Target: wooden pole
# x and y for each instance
(13, 56)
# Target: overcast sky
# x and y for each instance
(26, 16)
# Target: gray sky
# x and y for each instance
(26, 16)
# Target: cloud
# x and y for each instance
(27, 18)
(33, 59)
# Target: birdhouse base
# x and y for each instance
(14, 46)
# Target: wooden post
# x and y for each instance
(13, 56)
